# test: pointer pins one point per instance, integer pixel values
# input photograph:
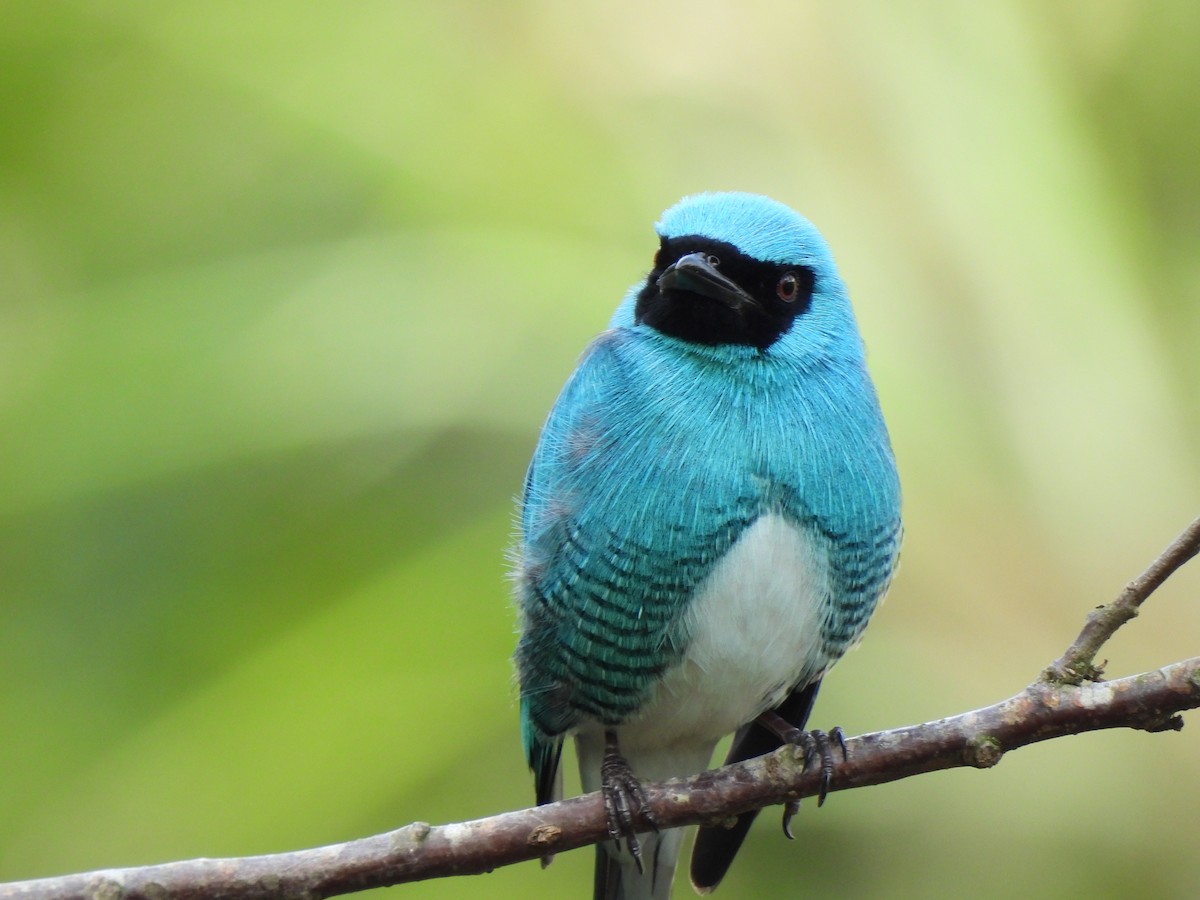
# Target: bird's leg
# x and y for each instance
(622, 793)
(816, 744)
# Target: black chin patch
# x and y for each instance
(705, 320)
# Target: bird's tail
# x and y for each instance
(717, 845)
(617, 875)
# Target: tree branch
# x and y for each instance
(1077, 664)
(1058, 704)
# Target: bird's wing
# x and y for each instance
(616, 534)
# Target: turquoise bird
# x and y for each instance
(709, 520)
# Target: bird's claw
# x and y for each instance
(789, 812)
(822, 748)
(623, 795)
(816, 745)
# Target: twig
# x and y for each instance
(1059, 704)
(1077, 665)
(1148, 701)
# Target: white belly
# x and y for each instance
(755, 631)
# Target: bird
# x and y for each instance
(709, 520)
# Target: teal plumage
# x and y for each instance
(711, 514)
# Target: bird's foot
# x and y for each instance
(816, 745)
(623, 795)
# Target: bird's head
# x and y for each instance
(741, 269)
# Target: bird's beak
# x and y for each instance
(695, 274)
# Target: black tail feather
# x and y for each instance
(716, 846)
(619, 879)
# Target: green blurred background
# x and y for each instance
(287, 289)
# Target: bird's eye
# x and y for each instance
(713, 261)
(788, 288)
